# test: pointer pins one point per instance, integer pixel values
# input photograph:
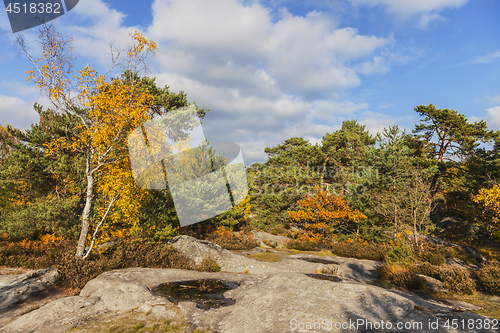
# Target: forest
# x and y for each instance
(68, 197)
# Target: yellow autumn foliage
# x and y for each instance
(108, 111)
(490, 198)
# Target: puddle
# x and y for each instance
(207, 293)
(320, 261)
(325, 277)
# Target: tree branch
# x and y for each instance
(97, 228)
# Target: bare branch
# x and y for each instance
(97, 228)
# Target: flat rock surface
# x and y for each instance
(18, 288)
(284, 296)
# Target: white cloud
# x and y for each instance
(94, 25)
(377, 66)
(17, 112)
(376, 122)
(426, 18)
(21, 89)
(266, 77)
(493, 117)
(220, 27)
(410, 7)
(384, 105)
(257, 122)
(426, 10)
(496, 99)
(329, 111)
(223, 42)
(487, 58)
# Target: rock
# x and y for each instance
(272, 302)
(263, 237)
(229, 261)
(463, 306)
(457, 263)
(161, 312)
(356, 270)
(450, 225)
(145, 308)
(120, 295)
(196, 249)
(471, 250)
(476, 255)
(431, 284)
(278, 297)
(26, 285)
(57, 316)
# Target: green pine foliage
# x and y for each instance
(41, 194)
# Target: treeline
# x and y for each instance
(69, 175)
(447, 166)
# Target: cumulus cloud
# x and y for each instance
(17, 112)
(493, 117)
(256, 122)
(328, 111)
(223, 42)
(94, 25)
(377, 66)
(266, 76)
(376, 122)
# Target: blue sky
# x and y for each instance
(274, 69)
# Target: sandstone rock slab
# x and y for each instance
(25, 285)
(279, 297)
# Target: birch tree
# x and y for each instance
(108, 110)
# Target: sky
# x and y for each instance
(274, 69)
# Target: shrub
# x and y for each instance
(321, 214)
(454, 279)
(208, 264)
(457, 280)
(234, 241)
(329, 271)
(433, 257)
(490, 279)
(269, 243)
(75, 273)
(399, 275)
(278, 230)
(360, 250)
(303, 246)
(34, 254)
(427, 269)
(399, 253)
